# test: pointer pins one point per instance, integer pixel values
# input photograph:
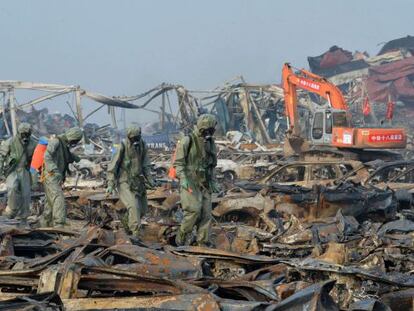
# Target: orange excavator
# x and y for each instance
(331, 126)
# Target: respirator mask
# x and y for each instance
(208, 133)
(135, 140)
(25, 137)
(73, 143)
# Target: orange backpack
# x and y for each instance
(172, 172)
(38, 155)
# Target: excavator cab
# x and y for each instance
(323, 122)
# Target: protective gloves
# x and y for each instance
(185, 184)
(110, 190)
(150, 183)
(215, 187)
(58, 177)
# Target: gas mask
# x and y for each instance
(208, 133)
(135, 140)
(73, 143)
(25, 137)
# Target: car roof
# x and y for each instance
(321, 162)
(395, 163)
(390, 164)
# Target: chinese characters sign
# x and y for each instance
(373, 137)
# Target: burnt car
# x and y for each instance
(307, 190)
(91, 169)
(246, 165)
(398, 176)
(309, 173)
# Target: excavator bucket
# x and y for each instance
(295, 145)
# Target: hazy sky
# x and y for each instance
(124, 47)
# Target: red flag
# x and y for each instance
(366, 107)
(390, 110)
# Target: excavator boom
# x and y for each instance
(315, 84)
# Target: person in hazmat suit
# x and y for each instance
(195, 162)
(129, 172)
(57, 158)
(15, 158)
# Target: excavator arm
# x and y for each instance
(313, 83)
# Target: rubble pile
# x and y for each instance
(347, 246)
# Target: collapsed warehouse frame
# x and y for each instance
(9, 104)
(243, 107)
